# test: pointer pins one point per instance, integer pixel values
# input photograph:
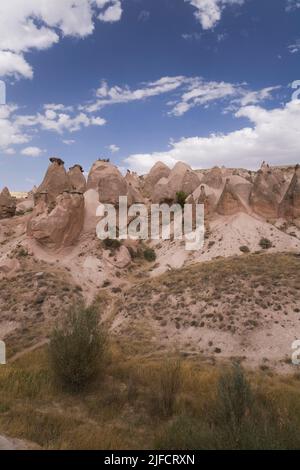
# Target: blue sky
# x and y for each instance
(203, 81)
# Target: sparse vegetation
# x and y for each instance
(234, 399)
(244, 249)
(265, 243)
(149, 255)
(263, 410)
(77, 346)
(181, 198)
(166, 387)
(112, 243)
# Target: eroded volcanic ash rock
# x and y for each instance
(229, 202)
(213, 178)
(55, 182)
(290, 205)
(61, 226)
(181, 178)
(108, 181)
(77, 179)
(7, 204)
(266, 193)
(157, 172)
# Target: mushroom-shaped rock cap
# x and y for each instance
(56, 180)
(77, 166)
(77, 179)
(57, 160)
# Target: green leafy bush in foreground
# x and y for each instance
(77, 346)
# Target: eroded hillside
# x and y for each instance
(245, 306)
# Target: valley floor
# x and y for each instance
(125, 407)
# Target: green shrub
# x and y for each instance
(166, 387)
(76, 348)
(149, 254)
(244, 249)
(181, 198)
(112, 243)
(265, 244)
(234, 398)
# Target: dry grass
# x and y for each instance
(116, 411)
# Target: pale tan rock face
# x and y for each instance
(60, 227)
(77, 179)
(8, 265)
(157, 172)
(229, 202)
(208, 200)
(190, 182)
(213, 178)
(181, 178)
(134, 195)
(55, 182)
(7, 204)
(266, 192)
(108, 181)
(290, 205)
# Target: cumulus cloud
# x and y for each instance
(10, 132)
(112, 13)
(113, 148)
(273, 135)
(32, 151)
(14, 64)
(16, 128)
(32, 24)
(209, 12)
(59, 121)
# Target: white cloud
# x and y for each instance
(254, 97)
(112, 13)
(32, 151)
(294, 48)
(201, 93)
(113, 148)
(189, 93)
(16, 129)
(59, 122)
(274, 135)
(68, 141)
(209, 12)
(292, 5)
(10, 132)
(117, 94)
(14, 64)
(38, 24)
